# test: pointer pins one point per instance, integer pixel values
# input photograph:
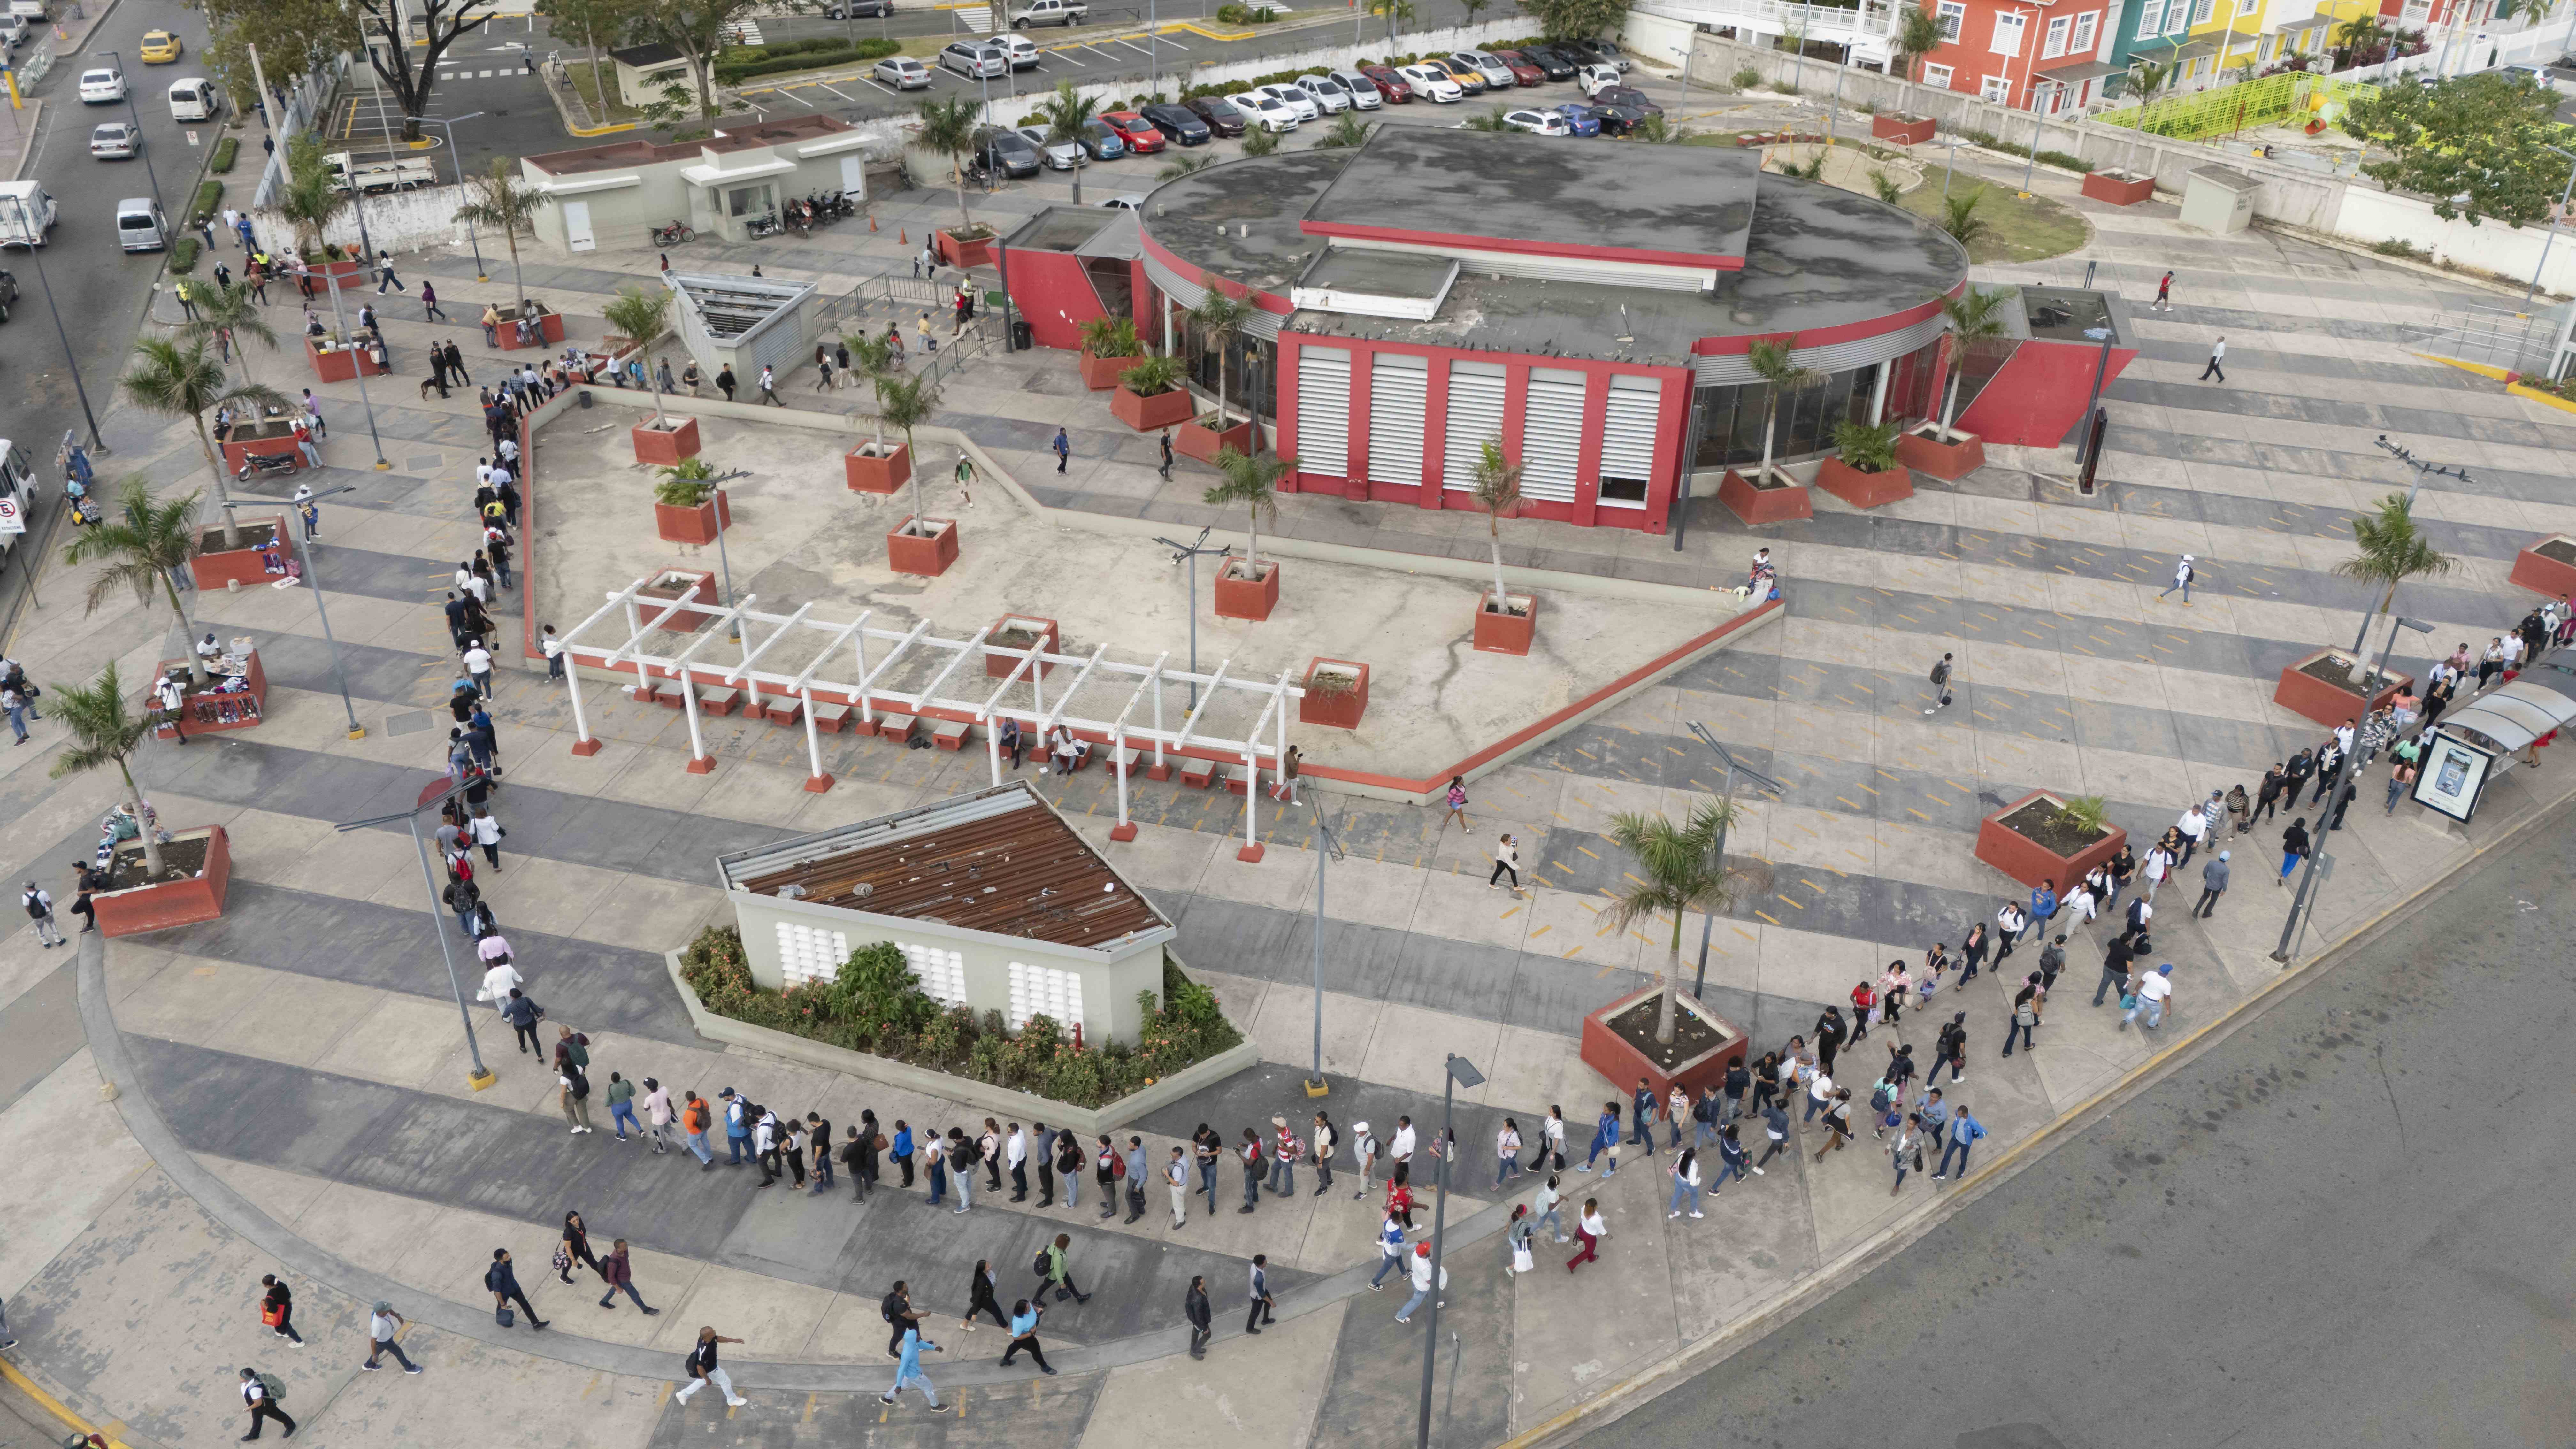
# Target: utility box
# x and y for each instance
(2218, 200)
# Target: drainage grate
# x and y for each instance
(410, 722)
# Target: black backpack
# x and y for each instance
(1041, 1266)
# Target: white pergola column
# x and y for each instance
(993, 750)
(1125, 829)
(817, 782)
(699, 763)
(1162, 768)
(582, 743)
(1251, 852)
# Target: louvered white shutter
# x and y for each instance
(1324, 411)
(1551, 434)
(1475, 419)
(1399, 390)
(1628, 441)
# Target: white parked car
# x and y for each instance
(1126, 201)
(115, 141)
(903, 73)
(1432, 85)
(1327, 92)
(1266, 111)
(1306, 107)
(1363, 91)
(1022, 51)
(1538, 123)
(1595, 79)
(1058, 155)
(102, 87)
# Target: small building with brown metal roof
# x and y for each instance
(994, 898)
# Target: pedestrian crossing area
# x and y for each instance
(977, 18)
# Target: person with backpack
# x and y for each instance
(261, 1396)
(1733, 1160)
(572, 1091)
(1951, 1048)
(502, 1281)
(1965, 1133)
(1051, 1268)
(695, 1118)
(382, 1324)
(738, 1120)
(2183, 571)
(2025, 1019)
(704, 1370)
(277, 1309)
(1251, 1156)
(618, 1272)
(1941, 684)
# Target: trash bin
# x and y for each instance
(1020, 334)
(584, 395)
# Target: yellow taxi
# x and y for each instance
(159, 47)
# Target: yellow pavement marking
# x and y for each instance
(1767, 918)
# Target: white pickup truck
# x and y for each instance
(1048, 12)
(27, 212)
(375, 178)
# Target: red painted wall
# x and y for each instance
(2038, 396)
(1051, 291)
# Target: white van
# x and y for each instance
(140, 226)
(195, 99)
(27, 213)
(32, 9)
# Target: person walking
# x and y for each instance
(1263, 1306)
(2217, 355)
(2164, 293)
(769, 386)
(2024, 1020)
(1507, 1151)
(618, 1272)
(575, 1248)
(2213, 884)
(40, 909)
(1456, 800)
(1548, 1206)
(1775, 1125)
(1905, 1150)
(1057, 1273)
(429, 309)
(2010, 920)
(1424, 1276)
(383, 1324)
(2155, 989)
(2191, 826)
(1062, 447)
(1024, 1335)
(620, 1097)
(704, 1370)
(1201, 1315)
(1685, 1175)
(572, 1092)
(908, 1372)
(2183, 571)
(2402, 771)
(1176, 1179)
(385, 277)
(696, 1116)
(1965, 1133)
(981, 1297)
(1166, 468)
(1951, 1047)
(263, 1405)
(657, 1113)
(1507, 861)
(1249, 1153)
(1941, 684)
(277, 1309)
(1837, 1123)
(1390, 1246)
(1589, 1229)
(900, 1316)
(2294, 848)
(738, 1123)
(1732, 1158)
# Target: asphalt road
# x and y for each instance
(2344, 1225)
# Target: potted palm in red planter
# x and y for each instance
(1505, 622)
(1661, 1033)
(639, 314)
(920, 544)
(1866, 474)
(687, 505)
(1771, 496)
(1937, 448)
(2044, 839)
(1151, 395)
(153, 882)
(1109, 347)
(875, 467)
(1217, 319)
(1246, 587)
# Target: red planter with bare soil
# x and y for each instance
(1019, 631)
(1153, 412)
(267, 439)
(697, 525)
(2119, 188)
(203, 861)
(1784, 502)
(966, 251)
(673, 586)
(925, 555)
(870, 473)
(2547, 567)
(340, 364)
(1238, 597)
(1501, 633)
(216, 566)
(1619, 1043)
(343, 274)
(1864, 490)
(1903, 130)
(1336, 693)
(1951, 461)
(2320, 687)
(1101, 373)
(1203, 443)
(2026, 840)
(662, 447)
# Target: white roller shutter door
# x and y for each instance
(1628, 441)
(1475, 419)
(1399, 394)
(1324, 411)
(1552, 434)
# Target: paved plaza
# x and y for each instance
(285, 1090)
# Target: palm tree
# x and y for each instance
(2390, 549)
(637, 313)
(1217, 319)
(1654, 129)
(105, 732)
(312, 198)
(1959, 217)
(1395, 11)
(143, 544)
(1180, 166)
(1917, 37)
(948, 129)
(229, 309)
(1773, 362)
(907, 403)
(1067, 117)
(1497, 488)
(873, 357)
(2146, 77)
(686, 483)
(1491, 120)
(1472, 7)
(186, 382)
(1679, 870)
(501, 203)
(1348, 130)
(1249, 481)
(1259, 140)
(2361, 32)
(1972, 317)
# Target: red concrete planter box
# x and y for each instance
(2542, 573)
(1500, 633)
(868, 473)
(2119, 189)
(1000, 668)
(1620, 1062)
(968, 252)
(340, 363)
(1101, 373)
(1949, 462)
(173, 903)
(1152, 414)
(1242, 598)
(663, 447)
(550, 327)
(1758, 506)
(910, 553)
(2331, 704)
(2032, 863)
(1864, 490)
(271, 439)
(1336, 711)
(1903, 130)
(343, 274)
(672, 586)
(692, 525)
(1193, 441)
(205, 711)
(216, 567)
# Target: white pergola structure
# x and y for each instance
(870, 689)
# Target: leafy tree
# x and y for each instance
(1347, 130)
(1772, 361)
(1473, 9)
(142, 545)
(1259, 140)
(292, 35)
(1396, 12)
(638, 313)
(1218, 319)
(1184, 165)
(1959, 217)
(1489, 120)
(2475, 145)
(1973, 316)
(500, 202)
(696, 29)
(1576, 19)
(1870, 447)
(2146, 77)
(183, 380)
(596, 21)
(2388, 550)
(948, 129)
(1497, 489)
(105, 731)
(1153, 375)
(1067, 116)
(873, 357)
(1918, 36)
(1679, 870)
(1249, 480)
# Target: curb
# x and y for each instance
(9, 1374)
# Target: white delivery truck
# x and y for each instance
(17, 498)
(375, 178)
(26, 213)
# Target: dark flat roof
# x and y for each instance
(616, 154)
(1202, 218)
(1378, 274)
(1060, 229)
(1547, 193)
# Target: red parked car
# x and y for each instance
(1139, 134)
(1524, 71)
(1389, 84)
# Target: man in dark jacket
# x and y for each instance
(617, 1273)
(1194, 1307)
(504, 1286)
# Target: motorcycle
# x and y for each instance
(673, 234)
(765, 225)
(257, 463)
(842, 205)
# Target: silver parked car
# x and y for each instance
(1058, 155)
(115, 141)
(903, 73)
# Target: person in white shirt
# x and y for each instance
(1421, 1270)
(478, 665)
(487, 834)
(1552, 1143)
(509, 458)
(1176, 1176)
(501, 979)
(1591, 1229)
(2193, 826)
(1399, 1149)
(1015, 1155)
(1507, 1151)
(554, 651)
(657, 1111)
(1364, 1150)
(483, 472)
(2159, 864)
(2153, 991)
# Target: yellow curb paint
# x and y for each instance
(54, 1406)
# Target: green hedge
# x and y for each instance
(874, 1004)
(225, 149)
(183, 255)
(210, 196)
(789, 55)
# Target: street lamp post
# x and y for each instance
(2303, 904)
(304, 552)
(36, 251)
(456, 158)
(1459, 1072)
(357, 363)
(1189, 553)
(1725, 795)
(1330, 850)
(435, 794)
